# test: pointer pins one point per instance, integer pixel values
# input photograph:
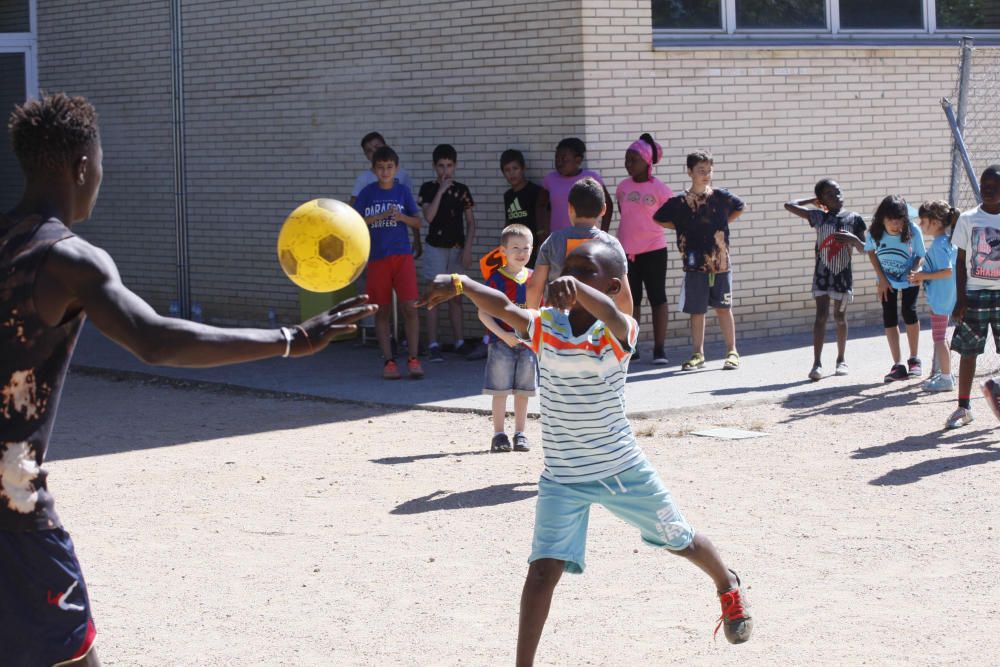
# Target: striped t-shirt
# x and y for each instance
(585, 434)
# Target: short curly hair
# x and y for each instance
(52, 131)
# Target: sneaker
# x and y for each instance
(841, 368)
(897, 372)
(959, 418)
(434, 354)
(390, 371)
(991, 390)
(414, 368)
(816, 373)
(659, 357)
(521, 443)
(940, 382)
(477, 352)
(735, 619)
(500, 443)
(914, 368)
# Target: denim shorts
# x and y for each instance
(637, 496)
(510, 370)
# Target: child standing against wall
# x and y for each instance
(837, 233)
(556, 185)
(895, 247)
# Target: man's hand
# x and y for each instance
(418, 246)
(442, 288)
(444, 186)
(562, 293)
(961, 305)
(883, 290)
(510, 339)
(466, 257)
(320, 330)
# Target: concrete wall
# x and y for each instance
(279, 94)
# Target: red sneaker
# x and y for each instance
(390, 371)
(415, 369)
(735, 614)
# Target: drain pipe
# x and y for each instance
(180, 159)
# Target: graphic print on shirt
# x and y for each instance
(515, 212)
(18, 471)
(985, 253)
(895, 261)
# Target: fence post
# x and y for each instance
(964, 70)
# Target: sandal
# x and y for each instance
(732, 361)
(697, 360)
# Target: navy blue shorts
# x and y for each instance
(44, 609)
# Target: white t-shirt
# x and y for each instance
(978, 234)
(368, 177)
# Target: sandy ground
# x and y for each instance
(224, 528)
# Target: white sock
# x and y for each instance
(459, 344)
(498, 433)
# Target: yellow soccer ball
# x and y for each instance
(323, 245)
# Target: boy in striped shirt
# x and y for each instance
(583, 343)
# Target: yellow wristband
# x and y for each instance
(456, 280)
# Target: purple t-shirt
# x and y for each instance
(389, 236)
(559, 187)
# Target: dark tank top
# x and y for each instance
(34, 357)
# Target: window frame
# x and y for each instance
(833, 34)
(25, 43)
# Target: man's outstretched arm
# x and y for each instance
(78, 275)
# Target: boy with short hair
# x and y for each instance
(521, 201)
(370, 143)
(702, 215)
(447, 206)
(585, 212)
(584, 342)
(511, 366)
(388, 209)
(977, 309)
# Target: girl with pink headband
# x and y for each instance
(639, 196)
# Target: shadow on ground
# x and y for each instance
(498, 494)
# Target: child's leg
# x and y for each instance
(660, 316)
(890, 320)
(728, 326)
(840, 319)
(432, 326)
(702, 553)
(909, 308)
(383, 322)
(499, 412)
(939, 334)
(536, 598)
(819, 328)
(455, 315)
(411, 321)
(520, 412)
(655, 279)
(634, 276)
(698, 333)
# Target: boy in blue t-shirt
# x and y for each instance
(388, 209)
(511, 368)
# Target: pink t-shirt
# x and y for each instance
(637, 202)
(559, 187)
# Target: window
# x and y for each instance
(862, 20)
(18, 80)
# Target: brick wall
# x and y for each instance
(777, 120)
(279, 94)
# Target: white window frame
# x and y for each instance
(25, 43)
(832, 32)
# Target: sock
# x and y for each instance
(518, 432)
(433, 343)
(412, 358)
(486, 339)
(498, 433)
(459, 344)
(964, 403)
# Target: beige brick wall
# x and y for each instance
(777, 120)
(279, 94)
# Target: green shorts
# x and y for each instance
(982, 314)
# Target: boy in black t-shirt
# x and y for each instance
(520, 202)
(447, 206)
(701, 215)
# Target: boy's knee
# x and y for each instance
(545, 572)
(840, 317)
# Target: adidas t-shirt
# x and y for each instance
(519, 208)
(585, 434)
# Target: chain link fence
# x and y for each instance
(975, 113)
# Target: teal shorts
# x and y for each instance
(636, 495)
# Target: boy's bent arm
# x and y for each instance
(797, 206)
(491, 325)
(609, 203)
(411, 221)
(536, 286)
(542, 221)
(596, 303)
(490, 301)
(83, 276)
